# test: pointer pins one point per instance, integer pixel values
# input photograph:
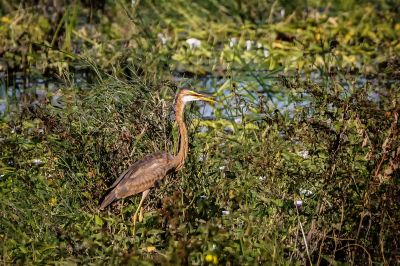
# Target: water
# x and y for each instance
(235, 97)
(22, 91)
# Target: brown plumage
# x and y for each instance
(143, 174)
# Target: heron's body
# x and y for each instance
(140, 176)
(143, 174)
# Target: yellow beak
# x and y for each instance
(204, 97)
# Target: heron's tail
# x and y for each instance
(107, 200)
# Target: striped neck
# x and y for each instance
(183, 135)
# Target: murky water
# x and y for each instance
(28, 92)
(235, 97)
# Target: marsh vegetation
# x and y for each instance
(297, 163)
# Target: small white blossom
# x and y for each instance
(262, 178)
(266, 52)
(303, 154)
(282, 12)
(306, 192)
(233, 42)
(37, 162)
(203, 197)
(193, 43)
(259, 45)
(249, 43)
(298, 203)
(222, 168)
(225, 212)
(238, 120)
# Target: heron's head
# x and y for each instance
(189, 96)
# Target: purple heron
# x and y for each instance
(145, 173)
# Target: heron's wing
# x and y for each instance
(126, 172)
(143, 174)
(138, 164)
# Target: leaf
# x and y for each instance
(98, 221)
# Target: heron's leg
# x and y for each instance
(141, 208)
(144, 195)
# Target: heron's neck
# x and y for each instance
(183, 137)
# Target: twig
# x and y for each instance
(304, 236)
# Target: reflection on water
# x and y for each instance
(235, 97)
(19, 91)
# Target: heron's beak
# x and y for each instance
(205, 97)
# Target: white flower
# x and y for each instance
(259, 45)
(193, 43)
(266, 52)
(303, 154)
(37, 162)
(233, 42)
(282, 12)
(225, 212)
(262, 178)
(306, 192)
(203, 197)
(249, 43)
(298, 203)
(222, 168)
(238, 120)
